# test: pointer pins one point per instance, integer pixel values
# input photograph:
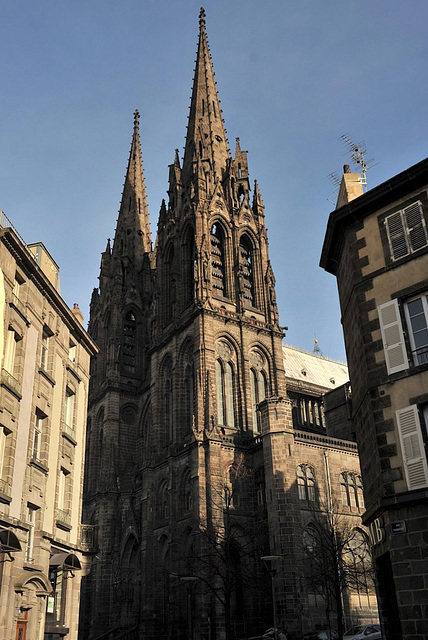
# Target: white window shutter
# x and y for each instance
(396, 236)
(415, 226)
(412, 447)
(392, 337)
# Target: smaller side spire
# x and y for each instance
(133, 236)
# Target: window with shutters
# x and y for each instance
(416, 311)
(406, 231)
(411, 424)
(393, 337)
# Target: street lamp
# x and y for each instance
(270, 566)
(189, 581)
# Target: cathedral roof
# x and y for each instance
(313, 369)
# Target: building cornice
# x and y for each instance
(35, 273)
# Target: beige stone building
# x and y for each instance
(45, 354)
(207, 443)
(376, 245)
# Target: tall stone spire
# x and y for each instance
(133, 238)
(206, 136)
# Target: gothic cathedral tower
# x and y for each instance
(189, 427)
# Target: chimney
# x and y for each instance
(77, 313)
(351, 187)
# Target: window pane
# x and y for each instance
(421, 338)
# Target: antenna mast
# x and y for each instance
(358, 151)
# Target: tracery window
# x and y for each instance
(246, 271)
(306, 482)
(351, 487)
(218, 261)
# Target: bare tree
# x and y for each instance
(226, 548)
(336, 558)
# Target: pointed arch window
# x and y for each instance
(129, 343)
(258, 387)
(306, 482)
(188, 267)
(168, 411)
(187, 493)
(225, 394)
(170, 285)
(246, 270)
(189, 397)
(218, 261)
(351, 488)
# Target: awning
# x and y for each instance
(8, 541)
(65, 560)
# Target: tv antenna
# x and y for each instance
(358, 151)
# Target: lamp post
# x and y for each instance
(189, 581)
(270, 566)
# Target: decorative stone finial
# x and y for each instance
(136, 119)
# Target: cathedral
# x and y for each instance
(201, 465)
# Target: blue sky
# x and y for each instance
(292, 75)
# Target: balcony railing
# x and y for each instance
(68, 430)
(16, 302)
(5, 488)
(11, 382)
(63, 517)
(421, 355)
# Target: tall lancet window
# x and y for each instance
(258, 386)
(218, 261)
(189, 397)
(225, 386)
(129, 343)
(246, 271)
(188, 267)
(167, 404)
(170, 284)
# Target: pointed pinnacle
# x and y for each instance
(202, 16)
(136, 119)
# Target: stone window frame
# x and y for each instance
(222, 262)
(390, 261)
(351, 489)
(306, 482)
